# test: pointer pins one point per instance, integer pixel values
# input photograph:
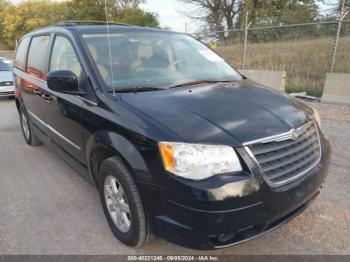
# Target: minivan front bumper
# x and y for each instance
(6, 91)
(228, 219)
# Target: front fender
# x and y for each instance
(118, 145)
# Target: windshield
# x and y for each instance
(5, 65)
(158, 60)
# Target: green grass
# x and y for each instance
(306, 62)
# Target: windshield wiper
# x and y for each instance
(137, 89)
(197, 82)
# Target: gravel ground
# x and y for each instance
(46, 208)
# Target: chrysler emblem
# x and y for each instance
(295, 134)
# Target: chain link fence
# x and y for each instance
(304, 51)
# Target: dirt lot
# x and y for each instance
(46, 208)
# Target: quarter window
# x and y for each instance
(37, 56)
(63, 57)
(21, 54)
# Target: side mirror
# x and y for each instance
(63, 81)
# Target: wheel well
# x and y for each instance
(97, 157)
(17, 103)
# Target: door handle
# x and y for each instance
(38, 92)
(48, 98)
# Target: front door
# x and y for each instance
(63, 114)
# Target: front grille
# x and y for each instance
(7, 83)
(6, 93)
(287, 157)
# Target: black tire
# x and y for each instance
(29, 136)
(138, 233)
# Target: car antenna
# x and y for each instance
(109, 51)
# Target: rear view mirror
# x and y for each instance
(63, 81)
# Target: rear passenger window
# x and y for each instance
(21, 54)
(37, 56)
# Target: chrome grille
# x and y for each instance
(287, 157)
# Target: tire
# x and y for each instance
(27, 131)
(114, 172)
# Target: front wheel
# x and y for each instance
(122, 203)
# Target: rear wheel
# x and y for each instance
(122, 203)
(27, 132)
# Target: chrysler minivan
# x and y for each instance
(178, 143)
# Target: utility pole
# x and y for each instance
(342, 14)
(246, 28)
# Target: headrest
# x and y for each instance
(145, 51)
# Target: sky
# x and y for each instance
(170, 14)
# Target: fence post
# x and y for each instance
(246, 27)
(341, 16)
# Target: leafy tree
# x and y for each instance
(334, 7)
(227, 15)
(130, 3)
(88, 9)
(3, 5)
(275, 12)
(123, 11)
(26, 16)
(18, 19)
(280, 12)
(217, 13)
(136, 16)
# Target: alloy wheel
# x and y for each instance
(25, 126)
(117, 204)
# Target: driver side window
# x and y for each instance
(63, 57)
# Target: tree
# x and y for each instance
(122, 11)
(136, 16)
(93, 10)
(3, 5)
(18, 19)
(334, 7)
(219, 14)
(280, 12)
(275, 12)
(228, 15)
(26, 16)
(130, 3)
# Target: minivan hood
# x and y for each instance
(210, 113)
(6, 76)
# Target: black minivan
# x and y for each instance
(178, 143)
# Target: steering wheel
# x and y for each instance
(138, 68)
(176, 62)
(147, 72)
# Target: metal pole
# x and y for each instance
(341, 16)
(246, 27)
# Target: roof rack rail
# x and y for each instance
(86, 22)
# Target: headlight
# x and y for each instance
(317, 116)
(198, 162)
